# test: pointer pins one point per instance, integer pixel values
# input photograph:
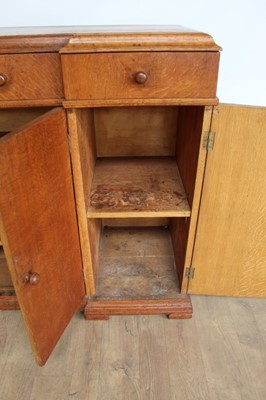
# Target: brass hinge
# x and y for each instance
(190, 272)
(208, 141)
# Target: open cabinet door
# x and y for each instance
(39, 228)
(230, 248)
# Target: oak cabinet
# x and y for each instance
(115, 202)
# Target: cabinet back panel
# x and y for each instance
(135, 131)
(129, 222)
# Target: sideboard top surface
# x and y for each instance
(78, 39)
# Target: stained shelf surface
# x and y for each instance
(137, 187)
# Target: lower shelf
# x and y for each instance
(137, 275)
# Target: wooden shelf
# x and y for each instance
(137, 275)
(136, 263)
(137, 187)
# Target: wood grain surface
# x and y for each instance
(139, 38)
(136, 263)
(137, 275)
(103, 38)
(135, 131)
(174, 101)
(39, 227)
(193, 123)
(31, 76)
(83, 156)
(7, 104)
(130, 222)
(137, 187)
(230, 249)
(112, 75)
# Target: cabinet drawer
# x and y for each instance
(164, 75)
(30, 77)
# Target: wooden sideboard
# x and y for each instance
(124, 187)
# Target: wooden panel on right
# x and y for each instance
(230, 246)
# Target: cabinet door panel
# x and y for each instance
(230, 248)
(39, 227)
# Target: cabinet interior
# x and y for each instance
(13, 119)
(134, 173)
(136, 263)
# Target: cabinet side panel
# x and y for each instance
(83, 155)
(191, 158)
(230, 248)
(189, 129)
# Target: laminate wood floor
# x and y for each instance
(219, 354)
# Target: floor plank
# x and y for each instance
(225, 363)
(188, 379)
(219, 354)
(252, 344)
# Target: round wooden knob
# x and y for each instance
(141, 77)
(32, 278)
(3, 79)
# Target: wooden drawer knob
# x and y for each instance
(141, 77)
(3, 79)
(32, 278)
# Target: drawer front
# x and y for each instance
(140, 75)
(30, 77)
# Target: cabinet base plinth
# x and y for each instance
(179, 316)
(178, 308)
(97, 317)
(8, 302)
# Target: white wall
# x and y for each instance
(239, 26)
